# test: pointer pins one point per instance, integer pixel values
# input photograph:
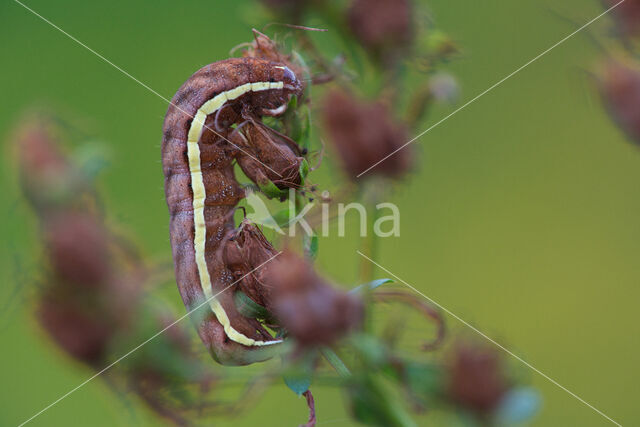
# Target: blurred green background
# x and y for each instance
(522, 218)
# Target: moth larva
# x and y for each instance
(202, 191)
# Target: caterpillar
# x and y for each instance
(213, 121)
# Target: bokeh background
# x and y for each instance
(522, 217)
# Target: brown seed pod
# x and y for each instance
(477, 380)
(76, 329)
(626, 16)
(312, 311)
(77, 246)
(363, 134)
(272, 148)
(202, 192)
(383, 27)
(619, 84)
(47, 179)
(247, 249)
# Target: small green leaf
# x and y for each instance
(249, 308)
(371, 350)
(298, 383)
(375, 401)
(271, 190)
(371, 285)
(304, 170)
(91, 158)
(335, 361)
(298, 375)
(293, 102)
(424, 381)
(518, 405)
(310, 245)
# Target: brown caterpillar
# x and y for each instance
(202, 192)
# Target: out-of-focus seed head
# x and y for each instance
(383, 27)
(363, 134)
(619, 84)
(77, 246)
(47, 178)
(477, 379)
(76, 329)
(312, 311)
(243, 255)
(280, 157)
(626, 17)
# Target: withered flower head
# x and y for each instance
(365, 133)
(477, 379)
(77, 246)
(312, 311)
(243, 255)
(620, 88)
(47, 178)
(626, 16)
(280, 156)
(75, 328)
(383, 27)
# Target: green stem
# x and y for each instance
(368, 247)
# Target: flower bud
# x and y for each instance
(312, 311)
(619, 83)
(76, 329)
(47, 178)
(626, 16)
(77, 246)
(364, 134)
(383, 27)
(477, 380)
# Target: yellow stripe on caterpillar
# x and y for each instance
(199, 196)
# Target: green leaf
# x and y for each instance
(304, 170)
(283, 217)
(375, 401)
(518, 405)
(371, 285)
(371, 350)
(298, 375)
(271, 190)
(249, 308)
(310, 245)
(91, 158)
(297, 383)
(335, 361)
(424, 381)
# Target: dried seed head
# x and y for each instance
(312, 311)
(365, 133)
(77, 246)
(76, 329)
(619, 83)
(47, 178)
(626, 16)
(279, 156)
(477, 379)
(244, 255)
(383, 27)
